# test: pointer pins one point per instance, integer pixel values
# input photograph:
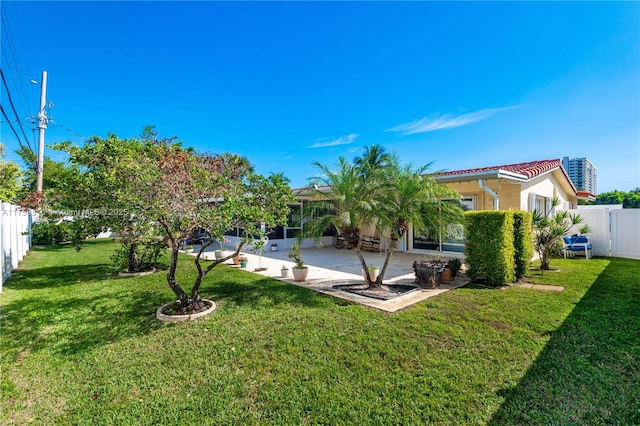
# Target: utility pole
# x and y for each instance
(42, 125)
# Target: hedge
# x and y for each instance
(489, 247)
(522, 242)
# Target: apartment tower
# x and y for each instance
(583, 174)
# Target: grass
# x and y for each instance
(81, 346)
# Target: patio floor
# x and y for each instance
(329, 266)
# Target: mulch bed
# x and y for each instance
(384, 292)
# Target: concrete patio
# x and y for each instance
(329, 266)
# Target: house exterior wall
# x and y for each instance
(546, 186)
(508, 194)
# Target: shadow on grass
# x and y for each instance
(589, 372)
(72, 325)
(262, 291)
(58, 276)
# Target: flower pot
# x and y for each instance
(373, 274)
(428, 276)
(284, 272)
(243, 263)
(445, 276)
(221, 254)
(300, 274)
(274, 247)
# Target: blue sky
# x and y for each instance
(461, 85)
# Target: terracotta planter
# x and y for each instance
(445, 276)
(300, 274)
(236, 259)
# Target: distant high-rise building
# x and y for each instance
(583, 174)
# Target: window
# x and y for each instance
(452, 239)
(541, 204)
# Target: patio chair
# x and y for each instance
(579, 244)
(566, 244)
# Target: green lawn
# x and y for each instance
(81, 346)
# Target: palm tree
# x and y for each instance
(389, 198)
(375, 157)
(409, 196)
(238, 165)
(349, 204)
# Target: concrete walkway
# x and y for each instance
(329, 266)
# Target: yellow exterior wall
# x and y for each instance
(508, 193)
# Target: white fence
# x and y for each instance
(625, 226)
(15, 225)
(615, 231)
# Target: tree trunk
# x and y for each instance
(363, 263)
(184, 305)
(387, 259)
(183, 299)
(132, 258)
(544, 263)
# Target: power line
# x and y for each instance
(12, 69)
(11, 55)
(13, 129)
(67, 129)
(24, 51)
(14, 108)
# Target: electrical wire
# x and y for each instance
(9, 52)
(26, 55)
(14, 109)
(13, 72)
(13, 129)
(55, 123)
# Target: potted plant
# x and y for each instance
(221, 253)
(299, 270)
(373, 272)
(428, 272)
(243, 261)
(284, 272)
(274, 247)
(188, 249)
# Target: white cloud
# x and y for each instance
(343, 140)
(446, 121)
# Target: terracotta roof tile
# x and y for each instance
(529, 169)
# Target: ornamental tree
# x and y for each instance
(181, 191)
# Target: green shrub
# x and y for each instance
(47, 233)
(489, 246)
(522, 242)
(140, 256)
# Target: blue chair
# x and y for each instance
(578, 244)
(566, 243)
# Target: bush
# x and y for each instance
(522, 242)
(489, 246)
(139, 256)
(47, 233)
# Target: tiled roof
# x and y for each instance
(527, 170)
(530, 169)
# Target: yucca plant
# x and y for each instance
(548, 230)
